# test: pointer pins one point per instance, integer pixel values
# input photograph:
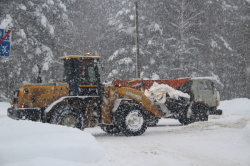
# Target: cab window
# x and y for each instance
(206, 85)
(91, 76)
(88, 75)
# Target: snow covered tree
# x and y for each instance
(152, 40)
(35, 40)
(179, 38)
(184, 27)
(226, 42)
(121, 41)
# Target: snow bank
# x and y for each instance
(222, 140)
(236, 114)
(246, 132)
(3, 109)
(235, 106)
(25, 143)
(158, 92)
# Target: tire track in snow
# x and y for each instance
(238, 124)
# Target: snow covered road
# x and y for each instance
(222, 141)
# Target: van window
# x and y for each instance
(206, 85)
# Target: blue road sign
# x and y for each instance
(5, 48)
(5, 45)
(1, 33)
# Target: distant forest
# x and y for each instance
(177, 38)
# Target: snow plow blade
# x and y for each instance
(33, 114)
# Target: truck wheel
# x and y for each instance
(187, 121)
(132, 120)
(152, 121)
(67, 115)
(201, 111)
(110, 129)
(218, 112)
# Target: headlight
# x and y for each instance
(26, 91)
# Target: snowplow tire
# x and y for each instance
(201, 111)
(186, 121)
(110, 129)
(153, 121)
(131, 120)
(68, 115)
(219, 112)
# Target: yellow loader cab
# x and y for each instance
(80, 78)
(81, 73)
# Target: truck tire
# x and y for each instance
(68, 115)
(186, 121)
(131, 120)
(201, 111)
(110, 129)
(218, 112)
(152, 121)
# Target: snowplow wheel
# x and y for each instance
(67, 115)
(201, 111)
(186, 121)
(218, 112)
(152, 121)
(110, 129)
(132, 120)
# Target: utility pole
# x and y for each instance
(138, 58)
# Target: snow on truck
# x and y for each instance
(81, 101)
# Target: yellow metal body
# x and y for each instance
(141, 98)
(113, 93)
(111, 96)
(41, 95)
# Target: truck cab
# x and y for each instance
(82, 75)
(202, 89)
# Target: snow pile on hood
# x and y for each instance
(158, 92)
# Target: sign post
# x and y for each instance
(5, 42)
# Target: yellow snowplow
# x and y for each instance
(81, 101)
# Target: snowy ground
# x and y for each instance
(222, 141)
